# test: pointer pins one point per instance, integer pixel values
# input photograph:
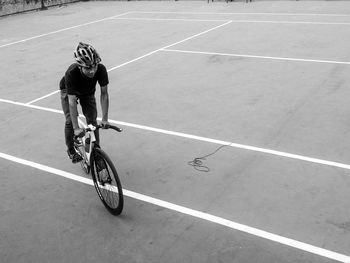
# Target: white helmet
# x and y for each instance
(86, 56)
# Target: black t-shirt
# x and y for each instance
(78, 84)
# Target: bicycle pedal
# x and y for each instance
(77, 159)
(77, 141)
(108, 181)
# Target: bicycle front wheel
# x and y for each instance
(106, 182)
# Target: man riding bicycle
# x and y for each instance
(79, 84)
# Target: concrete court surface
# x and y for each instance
(177, 66)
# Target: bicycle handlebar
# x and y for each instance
(115, 128)
(100, 126)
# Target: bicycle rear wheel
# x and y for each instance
(106, 182)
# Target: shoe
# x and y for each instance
(74, 156)
(104, 176)
(102, 171)
(100, 164)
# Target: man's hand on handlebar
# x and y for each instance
(105, 124)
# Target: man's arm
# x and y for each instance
(73, 110)
(104, 104)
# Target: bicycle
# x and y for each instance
(103, 171)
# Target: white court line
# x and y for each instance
(31, 106)
(237, 145)
(181, 41)
(194, 213)
(43, 97)
(238, 13)
(172, 19)
(138, 58)
(204, 139)
(57, 90)
(260, 57)
(237, 21)
(61, 30)
(290, 22)
(213, 53)
(53, 93)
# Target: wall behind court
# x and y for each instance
(8, 7)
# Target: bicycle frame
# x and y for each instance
(108, 187)
(91, 134)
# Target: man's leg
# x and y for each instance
(88, 106)
(68, 129)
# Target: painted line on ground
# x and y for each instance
(141, 57)
(238, 13)
(212, 53)
(31, 106)
(62, 30)
(236, 21)
(43, 97)
(204, 139)
(194, 213)
(259, 57)
(290, 22)
(237, 145)
(57, 90)
(172, 19)
(178, 42)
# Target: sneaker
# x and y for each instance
(104, 176)
(100, 164)
(74, 156)
(102, 171)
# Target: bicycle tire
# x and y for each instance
(111, 192)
